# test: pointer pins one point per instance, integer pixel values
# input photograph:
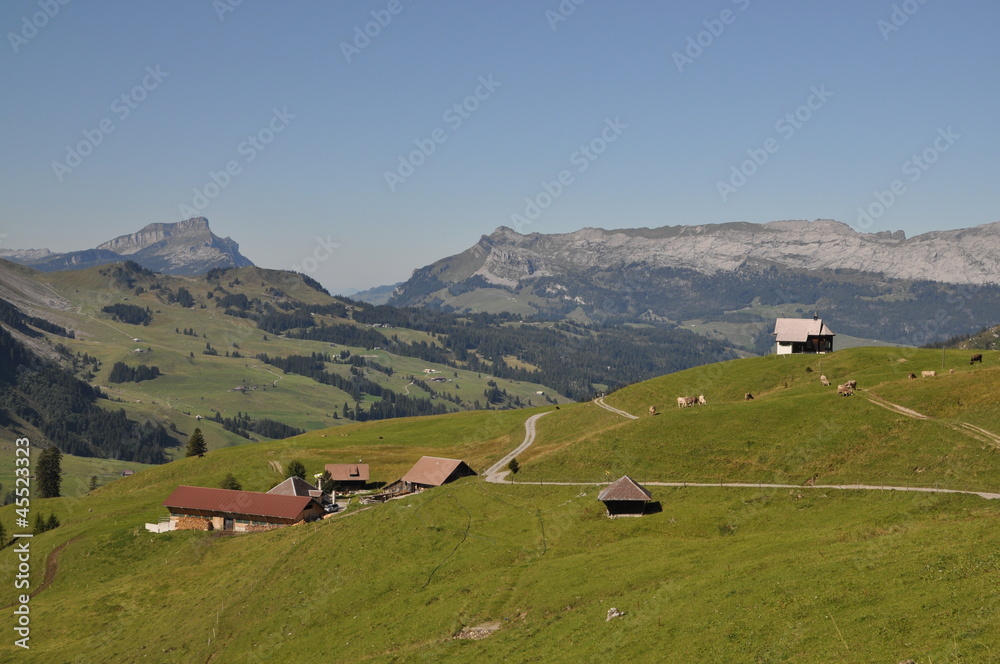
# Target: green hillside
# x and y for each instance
(720, 574)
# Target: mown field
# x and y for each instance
(717, 574)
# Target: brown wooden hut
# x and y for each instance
(625, 497)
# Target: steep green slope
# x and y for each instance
(720, 574)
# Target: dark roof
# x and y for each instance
(435, 471)
(625, 488)
(237, 502)
(293, 486)
(348, 472)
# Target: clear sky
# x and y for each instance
(116, 114)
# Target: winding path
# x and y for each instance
(497, 473)
(493, 473)
(600, 402)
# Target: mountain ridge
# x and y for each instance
(187, 247)
(953, 256)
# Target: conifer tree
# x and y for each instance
(196, 444)
(49, 472)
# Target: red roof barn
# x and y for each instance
(240, 511)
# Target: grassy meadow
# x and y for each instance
(716, 574)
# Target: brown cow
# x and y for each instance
(845, 390)
(684, 402)
(978, 357)
(853, 384)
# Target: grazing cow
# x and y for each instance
(853, 384)
(748, 397)
(845, 390)
(652, 410)
(912, 376)
(824, 380)
(681, 402)
(951, 371)
(701, 400)
(928, 374)
(978, 357)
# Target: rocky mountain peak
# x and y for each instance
(186, 247)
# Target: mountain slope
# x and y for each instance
(186, 247)
(740, 575)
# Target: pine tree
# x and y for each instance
(49, 472)
(39, 526)
(296, 469)
(53, 522)
(93, 482)
(3, 536)
(326, 483)
(513, 466)
(230, 482)
(196, 444)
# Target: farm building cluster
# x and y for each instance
(294, 500)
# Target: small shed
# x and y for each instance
(802, 335)
(625, 497)
(349, 476)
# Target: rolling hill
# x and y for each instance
(252, 354)
(722, 573)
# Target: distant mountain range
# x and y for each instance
(184, 248)
(507, 258)
(871, 285)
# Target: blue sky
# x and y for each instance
(687, 113)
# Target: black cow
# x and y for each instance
(978, 357)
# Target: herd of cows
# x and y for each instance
(844, 390)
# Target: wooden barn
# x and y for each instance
(203, 508)
(430, 472)
(348, 476)
(802, 335)
(625, 497)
